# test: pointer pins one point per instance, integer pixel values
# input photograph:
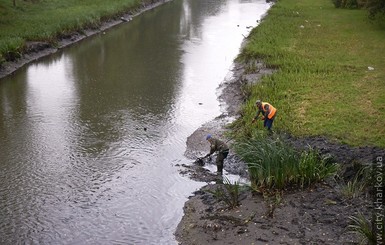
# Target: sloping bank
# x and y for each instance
(318, 214)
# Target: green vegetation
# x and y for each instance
(227, 192)
(47, 20)
(362, 227)
(329, 77)
(273, 164)
(355, 187)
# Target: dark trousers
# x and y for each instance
(220, 158)
(268, 123)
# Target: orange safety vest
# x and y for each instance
(272, 110)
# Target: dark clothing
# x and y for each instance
(268, 123)
(223, 151)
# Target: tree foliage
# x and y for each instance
(14, 2)
(376, 8)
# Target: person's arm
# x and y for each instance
(212, 149)
(256, 116)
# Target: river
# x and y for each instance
(91, 137)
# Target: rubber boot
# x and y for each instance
(220, 169)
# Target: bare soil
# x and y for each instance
(316, 215)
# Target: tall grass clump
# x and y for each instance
(362, 227)
(274, 164)
(10, 48)
(356, 186)
(228, 192)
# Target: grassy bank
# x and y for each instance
(323, 84)
(42, 20)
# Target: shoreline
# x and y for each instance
(318, 214)
(206, 221)
(37, 50)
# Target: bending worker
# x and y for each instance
(268, 114)
(221, 148)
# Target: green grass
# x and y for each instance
(45, 20)
(275, 165)
(362, 227)
(322, 85)
(356, 186)
(228, 192)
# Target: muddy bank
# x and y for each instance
(36, 50)
(316, 215)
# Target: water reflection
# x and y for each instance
(90, 136)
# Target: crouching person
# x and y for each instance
(219, 146)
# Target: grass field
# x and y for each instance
(45, 20)
(323, 84)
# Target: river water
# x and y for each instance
(91, 137)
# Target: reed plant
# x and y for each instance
(362, 227)
(227, 192)
(274, 164)
(356, 186)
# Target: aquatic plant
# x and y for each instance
(274, 164)
(227, 192)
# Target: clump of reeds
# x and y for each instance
(362, 227)
(274, 164)
(356, 186)
(227, 192)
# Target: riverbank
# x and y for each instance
(34, 50)
(305, 213)
(318, 214)
(329, 79)
(322, 212)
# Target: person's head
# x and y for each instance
(258, 103)
(209, 137)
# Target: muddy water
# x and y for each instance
(91, 137)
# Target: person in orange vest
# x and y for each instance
(268, 113)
